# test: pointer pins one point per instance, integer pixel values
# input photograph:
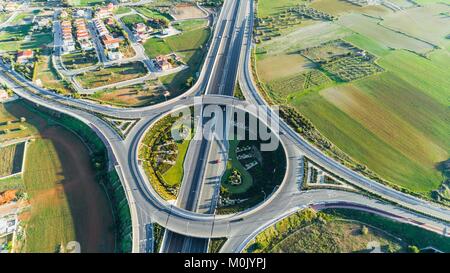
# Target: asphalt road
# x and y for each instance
(146, 206)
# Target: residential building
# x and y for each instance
(24, 56)
(163, 62)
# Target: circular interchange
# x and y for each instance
(167, 150)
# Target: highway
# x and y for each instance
(220, 82)
(228, 58)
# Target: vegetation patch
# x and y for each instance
(112, 74)
(162, 157)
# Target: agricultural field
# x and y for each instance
(371, 28)
(112, 74)
(340, 7)
(385, 104)
(429, 23)
(60, 189)
(12, 38)
(11, 159)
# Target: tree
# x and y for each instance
(413, 249)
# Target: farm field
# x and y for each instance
(429, 23)
(370, 28)
(112, 74)
(395, 121)
(12, 38)
(11, 159)
(66, 201)
(339, 7)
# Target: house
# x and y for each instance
(44, 21)
(163, 62)
(140, 28)
(24, 56)
(110, 21)
(115, 55)
(86, 45)
(110, 42)
(103, 12)
(110, 7)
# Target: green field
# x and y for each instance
(396, 122)
(376, 126)
(86, 3)
(12, 38)
(189, 25)
(131, 20)
(80, 59)
(112, 74)
(152, 14)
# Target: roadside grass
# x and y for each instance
(412, 235)
(48, 76)
(336, 236)
(341, 230)
(112, 74)
(12, 38)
